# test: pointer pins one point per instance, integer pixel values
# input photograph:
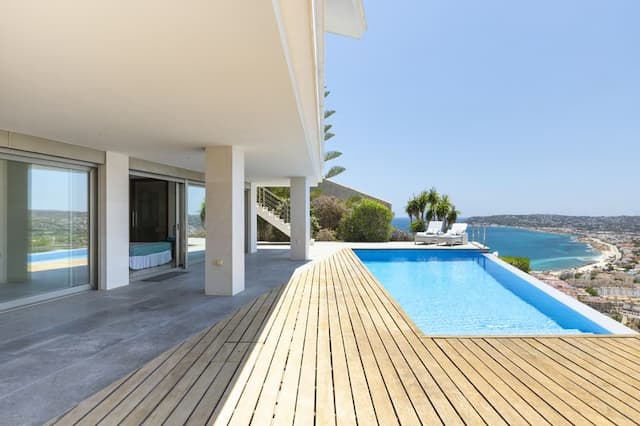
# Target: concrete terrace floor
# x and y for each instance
(58, 353)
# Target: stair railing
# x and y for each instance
(277, 206)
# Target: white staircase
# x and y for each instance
(274, 210)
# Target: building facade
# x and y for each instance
(133, 136)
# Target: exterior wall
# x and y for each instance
(344, 192)
(37, 145)
(162, 169)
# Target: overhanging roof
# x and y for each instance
(162, 80)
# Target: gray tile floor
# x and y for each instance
(54, 355)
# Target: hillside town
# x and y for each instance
(612, 284)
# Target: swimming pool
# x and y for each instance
(461, 292)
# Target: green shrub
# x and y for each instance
(325, 235)
(522, 263)
(315, 226)
(636, 280)
(329, 211)
(368, 221)
(418, 226)
(592, 291)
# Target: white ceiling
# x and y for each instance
(158, 80)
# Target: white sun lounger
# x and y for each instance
(430, 236)
(456, 235)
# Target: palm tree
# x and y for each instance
(422, 201)
(433, 198)
(443, 208)
(453, 214)
(412, 209)
(330, 155)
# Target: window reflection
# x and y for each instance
(196, 231)
(44, 229)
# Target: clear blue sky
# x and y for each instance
(508, 106)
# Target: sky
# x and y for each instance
(510, 107)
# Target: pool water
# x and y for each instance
(467, 293)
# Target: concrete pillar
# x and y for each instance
(224, 184)
(4, 243)
(252, 212)
(113, 229)
(300, 218)
(18, 221)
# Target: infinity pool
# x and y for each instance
(452, 292)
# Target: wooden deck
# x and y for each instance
(332, 346)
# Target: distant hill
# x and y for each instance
(195, 226)
(576, 223)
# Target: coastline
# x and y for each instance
(608, 253)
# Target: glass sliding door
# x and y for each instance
(195, 223)
(44, 228)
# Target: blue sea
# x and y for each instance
(547, 251)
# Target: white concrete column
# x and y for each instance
(224, 181)
(252, 211)
(300, 218)
(113, 229)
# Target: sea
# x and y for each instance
(547, 251)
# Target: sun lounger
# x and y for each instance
(430, 236)
(456, 235)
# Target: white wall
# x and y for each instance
(113, 230)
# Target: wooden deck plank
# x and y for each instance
(610, 346)
(285, 408)
(604, 356)
(175, 384)
(624, 381)
(509, 404)
(392, 372)
(325, 407)
(344, 405)
(332, 346)
(388, 334)
(551, 369)
(223, 412)
(178, 402)
(305, 400)
(555, 384)
(362, 402)
(254, 386)
(223, 379)
(385, 411)
(428, 369)
(132, 391)
(612, 395)
(545, 402)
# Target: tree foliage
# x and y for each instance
(330, 155)
(430, 205)
(329, 211)
(368, 221)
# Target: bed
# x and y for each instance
(148, 255)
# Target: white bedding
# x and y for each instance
(150, 260)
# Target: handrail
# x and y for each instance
(275, 205)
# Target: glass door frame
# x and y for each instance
(63, 163)
(186, 216)
(180, 261)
